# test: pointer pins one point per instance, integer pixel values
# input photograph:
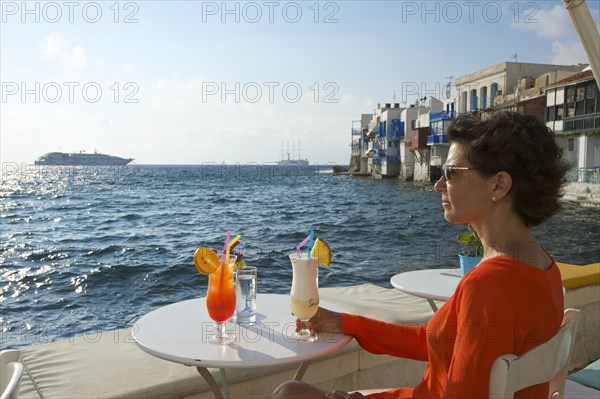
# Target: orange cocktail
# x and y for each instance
(220, 299)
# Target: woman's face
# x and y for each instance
(466, 197)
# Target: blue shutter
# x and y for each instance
(493, 94)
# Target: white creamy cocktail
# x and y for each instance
(304, 296)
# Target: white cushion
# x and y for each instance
(386, 304)
(575, 390)
(110, 364)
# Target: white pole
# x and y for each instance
(587, 32)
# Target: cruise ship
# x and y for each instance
(289, 161)
(81, 158)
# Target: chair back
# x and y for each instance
(548, 361)
(11, 371)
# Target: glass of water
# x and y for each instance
(245, 293)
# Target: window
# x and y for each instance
(570, 96)
(590, 106)
(483, 92)
(473, 100)
(579, 109)
(571, 144)
(550, 114)
(560, 112)
(494, 90)
(580, 94)
(435, 128)
(590, 90)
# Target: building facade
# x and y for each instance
(360, 154)
(412, 143)
(573, 112)
(385, 132)
(484, 89)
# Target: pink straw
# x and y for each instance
(301, 245)
(227, 237)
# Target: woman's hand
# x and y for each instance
(343, 395)
(324, 320)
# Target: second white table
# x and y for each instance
(431, 284)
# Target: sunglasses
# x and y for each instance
(448, 171)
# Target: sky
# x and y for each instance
(194, 82)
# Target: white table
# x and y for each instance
(431, 284)
(178, 333)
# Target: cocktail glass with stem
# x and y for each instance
(304, 296)
(220, 300)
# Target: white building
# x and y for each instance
(483, 89)
(407, 155)
(573, 112)
(359, 159)
(385, 132)
(418, 147)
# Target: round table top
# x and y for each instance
(436, 284)
(178, 333)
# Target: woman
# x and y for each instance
(502, 176)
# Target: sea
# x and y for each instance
(89, 249)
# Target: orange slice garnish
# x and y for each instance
(206, 260)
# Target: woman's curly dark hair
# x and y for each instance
(525, 148)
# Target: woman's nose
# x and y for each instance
(440, 185)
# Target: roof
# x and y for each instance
(573, 79)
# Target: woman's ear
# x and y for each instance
(501, 185)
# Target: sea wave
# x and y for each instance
(85, 250)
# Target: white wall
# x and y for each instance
(407, 163)
(421, 172)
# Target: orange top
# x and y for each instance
(501, 306)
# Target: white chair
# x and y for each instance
(11, 371)
(546, 362)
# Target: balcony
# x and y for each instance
(397, 129)
(435, 139)
(356, 132)
(379, 153)
(440, 116)
(581, 124)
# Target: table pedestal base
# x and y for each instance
(212, 383)
(433, 305)
(224, 394)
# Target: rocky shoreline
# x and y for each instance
(584, 193)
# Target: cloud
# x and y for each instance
(57, 48)
(553, 23)
(100, 121)
(568, 53)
